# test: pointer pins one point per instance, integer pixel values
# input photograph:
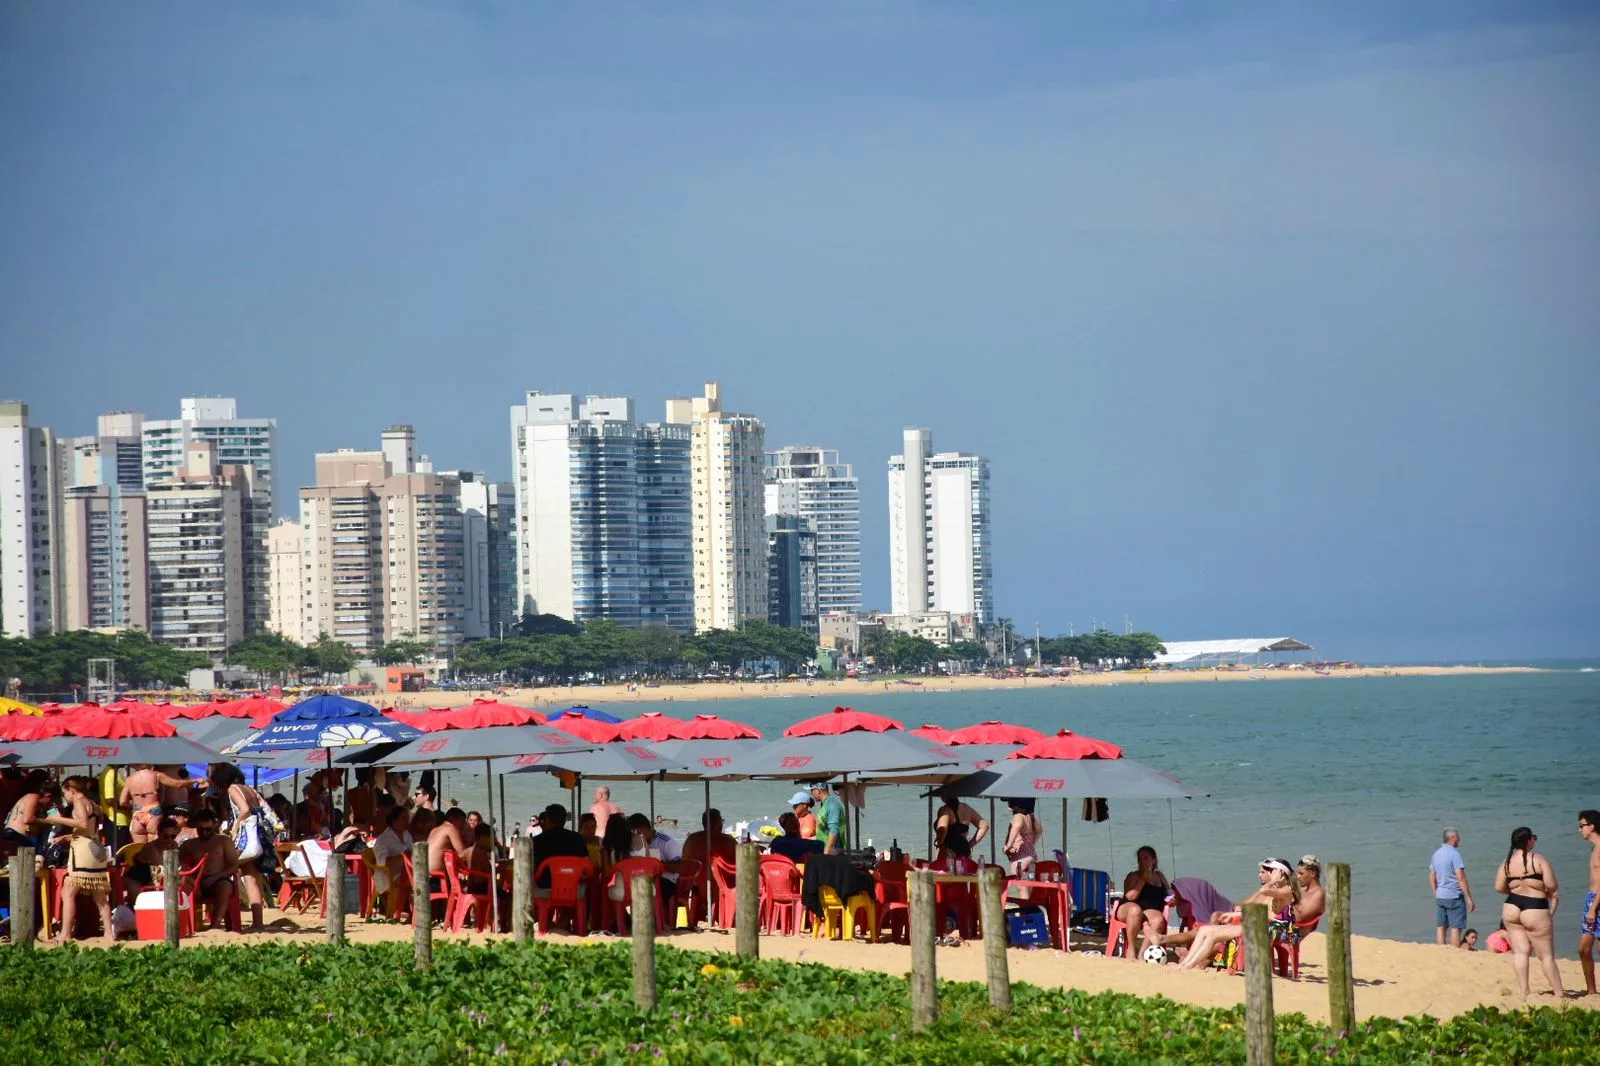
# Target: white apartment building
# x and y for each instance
(939, 534)
(286, 581)
(104, 558)
(489, 550)
(811, 483)
(727, 510)
(197, 537)
(603, 512)
(245, 442)
(30, 516)
(382, 552)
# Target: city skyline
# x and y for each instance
(1268, 320)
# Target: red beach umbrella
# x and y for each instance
(595, 732)
(842, 720)
(710, 727)
(994, 732)
(653, 726)
(481, 713)
(196, 711)
(1068, 745)
(936, 733)
(98, 722)
(259, 709)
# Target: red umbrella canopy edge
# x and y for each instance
(481, 713)
(994, 732)
(653, 726)
(843, 720)
(589, 729)
(1068, 745)
(711, 727)
(936, 733)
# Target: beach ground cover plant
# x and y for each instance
(286, 1003)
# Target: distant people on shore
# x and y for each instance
(1532, 895)
(1452, 896)
(1589, 919)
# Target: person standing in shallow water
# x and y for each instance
(1589, 920)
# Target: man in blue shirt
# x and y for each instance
(792, 845)
(1452, 898)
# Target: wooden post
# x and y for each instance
(992, 908)
(170, 877)
(644, 941)
(1341, 982)
(1257, 946)
(924, 934)
(24, 896)
(421, 911)
(747, 918)
(522, 889)
(333, 893)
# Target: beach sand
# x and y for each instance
(844, 690)
(1393, 979)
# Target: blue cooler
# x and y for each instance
(1027, 927)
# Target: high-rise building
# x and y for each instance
(727, 510)
(104, 558)
(791, 572)
(939, 535)
(30, 517)
(245, 442)
(114, 456)
(286, 581)
(488, 535)
(602, 512)
(811, 483)
(197, 537)
(383, 553)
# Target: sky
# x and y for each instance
(1271, 318)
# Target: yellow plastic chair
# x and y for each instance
(840, 918)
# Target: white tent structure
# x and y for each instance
(1200, 652)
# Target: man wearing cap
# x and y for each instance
(1452, 899)
(1312, 899)
(801, 802)
(555, 839)
(833, 822)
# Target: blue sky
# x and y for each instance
(1271, 319)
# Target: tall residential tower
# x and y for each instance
(811, 483)
(939, 534)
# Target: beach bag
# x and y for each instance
(247, 838)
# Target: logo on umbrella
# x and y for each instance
(715, 761)
(1048, 784)
(340, 736)
(795, 762)
(431, 745)
(97, 751)
(530, 760)
(641, 753)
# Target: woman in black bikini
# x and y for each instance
(1144, 895)
(1529, 882)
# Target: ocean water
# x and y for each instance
(1359, 770)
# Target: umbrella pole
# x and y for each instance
(652, 803)
(1172, 839)
(705, 835)
(1064, 813)
(294, 806)
(494, 880)
(502, 805)
(930, 826)
(992, 852)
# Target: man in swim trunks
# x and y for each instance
(1589, 917)
(222, 863)
(450, 833)
(142, 793)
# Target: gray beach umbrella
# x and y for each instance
(1061, 778)
(825, 755)
(95, 751)
(215, 732)
(456, 745)
(619, 761)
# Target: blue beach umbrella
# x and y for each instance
(590, 713)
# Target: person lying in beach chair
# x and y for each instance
(1279, 891)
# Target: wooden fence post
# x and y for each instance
(643, 910)
(992, 910)
(24, 899)
(1260, 1040)
(522, 889)
(924, 934)
(1341, 980)
(333, 895)
(421, 910)
(747, 906)
(170, 876)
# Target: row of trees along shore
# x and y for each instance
(543, 646)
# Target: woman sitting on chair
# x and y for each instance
(1144, 895)
(1279, 891)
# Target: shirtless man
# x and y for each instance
(602, 810)
(222, 863)
(1589, 916)
(141, 793)
(1312, 898)
(449, 833)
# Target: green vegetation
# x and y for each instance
(62, 659)
(546, 648)
(287, 1003)
(1103, 646)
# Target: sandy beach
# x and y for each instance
(845, 689)
(1393, 979)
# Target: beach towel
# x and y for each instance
(1204, 899)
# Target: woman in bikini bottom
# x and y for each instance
(1529, 883)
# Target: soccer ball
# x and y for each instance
(1155, 954)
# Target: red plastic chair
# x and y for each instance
(434, 896)
(894, 905)
(958, 898)
(621, 909)
(465, 900)
(1285, 955)
(296, 889)
(781, 904)
(691, 892)
(567, 876)
(357, 865)
(1047, 870)
(723, 874)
